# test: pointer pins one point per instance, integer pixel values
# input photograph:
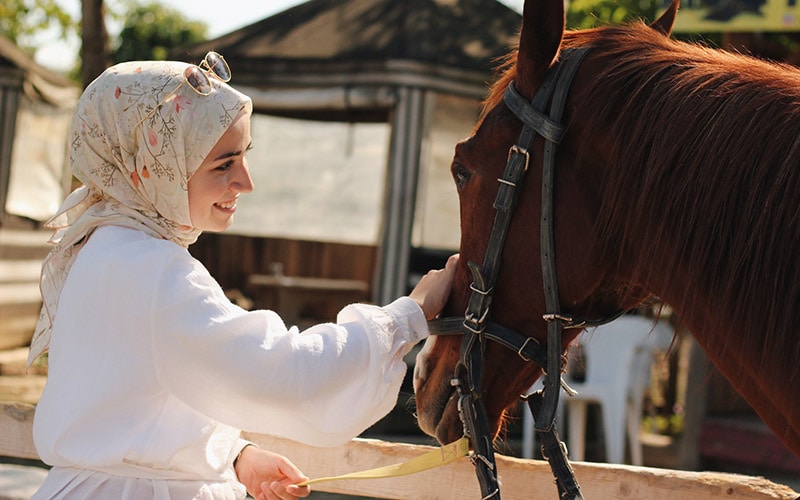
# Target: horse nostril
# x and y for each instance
(422, 365)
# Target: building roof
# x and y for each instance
(39, 83)
(356, 37)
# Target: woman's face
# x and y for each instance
(216, 185)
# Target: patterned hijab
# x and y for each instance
(138, 133)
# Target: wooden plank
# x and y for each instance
(520, 479)
(24, 244)
(22, 388)
(20, 293)
(26, 271)
(17, 324)
(305, 283)
(13, 361)
(16, 430)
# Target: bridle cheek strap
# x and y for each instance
(547, 243)
(477, 325)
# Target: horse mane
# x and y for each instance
(705, 161)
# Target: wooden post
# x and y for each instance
(695, 402)
(408, 123)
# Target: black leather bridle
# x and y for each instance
(477, 326)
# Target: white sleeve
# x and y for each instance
(322, 387)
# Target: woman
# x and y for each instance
(152, 371)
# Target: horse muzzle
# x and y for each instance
(436, 398)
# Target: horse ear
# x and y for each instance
(539, 42)
(664, 23)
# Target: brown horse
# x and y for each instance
(678, 177)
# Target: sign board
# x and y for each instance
(703, 16)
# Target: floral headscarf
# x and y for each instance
(139, 132)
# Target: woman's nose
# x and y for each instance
(242, 182)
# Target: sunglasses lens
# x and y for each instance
(218, 65)
(198, 80)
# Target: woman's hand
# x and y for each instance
(433, 289)
(269, 476)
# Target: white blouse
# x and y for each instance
(153, 372)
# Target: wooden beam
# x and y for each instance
(519, 479)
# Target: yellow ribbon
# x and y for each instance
(434, 458)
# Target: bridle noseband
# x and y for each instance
(477, 326)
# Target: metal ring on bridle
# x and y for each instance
(566, 320)
(478, 290)
(524, 345)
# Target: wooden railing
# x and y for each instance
(520, 479)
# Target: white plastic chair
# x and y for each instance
(618, 360)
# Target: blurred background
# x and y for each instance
(358, 105)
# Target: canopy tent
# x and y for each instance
(387, 61)
(35, 109)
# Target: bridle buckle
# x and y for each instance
(516, 148)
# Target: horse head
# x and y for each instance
(589, 281)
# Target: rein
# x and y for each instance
(476, 326)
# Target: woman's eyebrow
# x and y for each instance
(230, 154)
(227, 155)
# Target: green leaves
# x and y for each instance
(583, 14)
(21, 20)
(151, 31)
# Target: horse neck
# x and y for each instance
(754, 349)
(711, 233)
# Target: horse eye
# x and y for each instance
(460, 175)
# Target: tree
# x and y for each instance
(590, 13)
(151, 31)
(778, 46)
(21, 20)
(95, 56)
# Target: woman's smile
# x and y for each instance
(227, 206)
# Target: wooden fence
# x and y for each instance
(520, 479)
(231, 258)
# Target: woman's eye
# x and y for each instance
(225, 166)
(460, 175)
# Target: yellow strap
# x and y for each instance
(440, 456)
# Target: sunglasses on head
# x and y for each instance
(197, 77)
